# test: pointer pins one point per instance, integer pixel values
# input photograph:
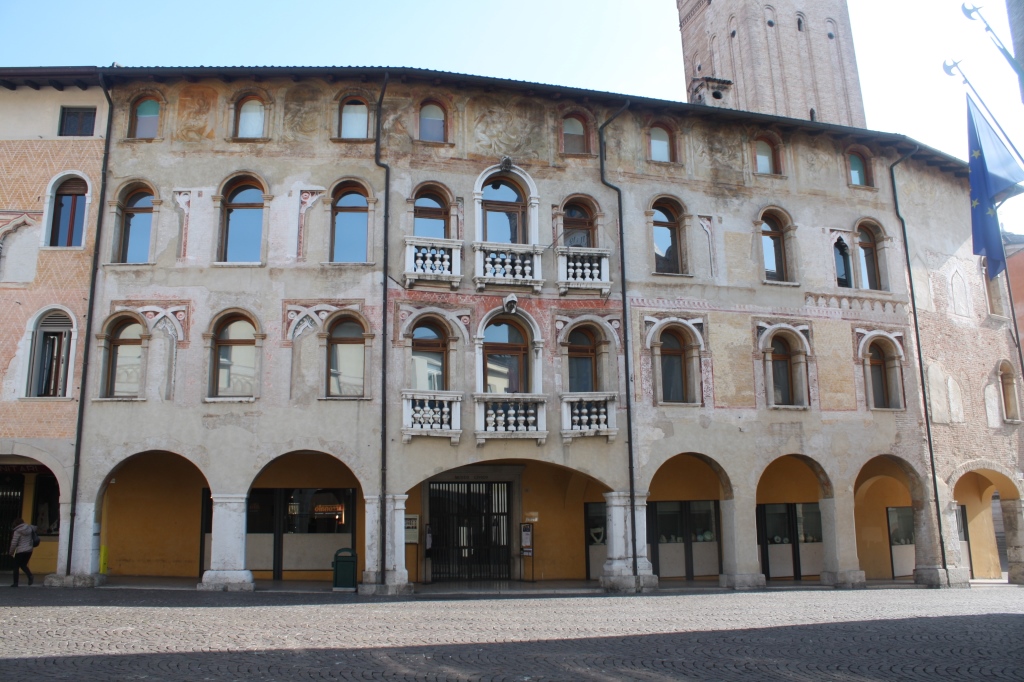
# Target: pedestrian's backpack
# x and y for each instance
(35, 537)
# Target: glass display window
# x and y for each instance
(596, 520)
(702, 521)
(670, 522)
(777, 524)
(808, 522)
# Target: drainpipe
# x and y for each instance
(920, 354)
(627, 326)
(384, 339)
(86, 348)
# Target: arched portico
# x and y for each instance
(34, 487)
(973, 486)
(894, 523)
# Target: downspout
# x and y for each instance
(920, 355)
(384, 339)
(627, 326)
(86, 348)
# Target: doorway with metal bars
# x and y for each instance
(470, 526)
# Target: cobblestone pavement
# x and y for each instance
(788, 635)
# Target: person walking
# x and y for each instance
(21, 549)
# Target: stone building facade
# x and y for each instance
(406, 312)
(51, 154)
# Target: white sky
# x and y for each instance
(627, 46)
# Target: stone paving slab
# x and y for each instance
(767, 635)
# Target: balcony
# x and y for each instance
(432, 413)
(588, 414)
(508, 265)
(586, 269)
(511, 415)
(433, 260)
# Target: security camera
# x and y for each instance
(511, 303)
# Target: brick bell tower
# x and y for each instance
(788, 58)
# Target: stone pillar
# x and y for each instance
(227, 551)
(618, 568)
(1013, 525)
(738, 535)
(646, 580)
(839, 534)
(371, 543)
(85, 556)
(927, 552)
(396, 576)
(57, 578)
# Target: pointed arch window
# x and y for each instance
(350, 223)
(505, 352)
(883, 376)
(578, 227)
(844, 275)
(136, 228)
(430, 217)
(355, 120)
(574, 135)
(782, 373)
(1008, 386)
(124, 368)
(249, 119)
(429, 357)
(68, 213)
(504, 212)
(51, 357)
(868, 255)
(880, 389)
(773, 246)
(582, 361)
(345, 358)
(668, 255)
(234, 353)
(432, 123)
(243, 224)
(145, 123)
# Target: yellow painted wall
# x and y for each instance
(730, 342)
(788, 479)
(685, 477)
(871, 499)
(44, 557)
(152, 510)
(832, 351)
(314, 470)
(974, 491)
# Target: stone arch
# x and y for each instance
(788, 331)
(264, 462)
(580, 198)
(433, 186)
(662, 325)
(878, 334)
(724, 481)
(447, 319)
(606, 328)
(129, 187)
(1001, 476)
(231, 179)
(825, 487)
(221, 315)
(9, 230)
(50, 196)
(777, 212)
(51, 462)
(319, 317)
(670, 199)
(537, 335)
(350, 180)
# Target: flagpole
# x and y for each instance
(948, 68)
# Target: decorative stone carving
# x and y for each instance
(184, 200)
(196, 104)
(307, 198)
(507, 127)
(302, 113)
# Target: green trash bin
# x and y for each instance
(344, 565)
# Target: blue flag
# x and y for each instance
(995, 175)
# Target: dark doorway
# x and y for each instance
(790, 540)
(471, 534)
(11, 490)
(683, 538)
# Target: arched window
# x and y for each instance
(145, 121)
(578, 227)
(574, 135)
(868, 256)
(773, 246)
(354, 120)
(345, 358)
(661, 144)
(766, 154)
(136, 228)
(782, 373)
(883, 376)
(582, 361)
(668, 253)
(124, 369)
(429, 357)
(68, 213)
(234, 356)
(879, 380)
(243, 224)
(858, 169)
(51, 357)
(432, 124)
(250, 112)
(506, 363)
(1008, 384)
(844, 276)
(994, 288)
(673, 368)
(430, 216)
(504, 212)
(350, 223)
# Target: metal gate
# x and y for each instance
(471, 536)
(11, 487)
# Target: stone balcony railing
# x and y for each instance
(511, 415)
(432, 413)
(433, 260)
(580, 268)
(860, 300)
(508, 264)
(588, 414)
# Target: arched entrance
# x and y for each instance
(972, 493)
(506, 520)
(302, 508)
(153, 509)
(684, 518)
(887, 502)
(30, 491)
(790, 533)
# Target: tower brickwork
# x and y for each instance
(790, 58)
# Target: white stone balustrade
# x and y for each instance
(861, 300)
(508, 264)
(580, 268)
(588, 414)
(433, 260)
(432, 413)
(511, 415)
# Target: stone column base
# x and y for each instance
(943, 578)
(742, 581)
(87, 580)
(629, 584)
(844, 580)
(227, 581)
(384, 589)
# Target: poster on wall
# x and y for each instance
(412, 529)
(526, 538)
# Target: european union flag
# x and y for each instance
(995, 175)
